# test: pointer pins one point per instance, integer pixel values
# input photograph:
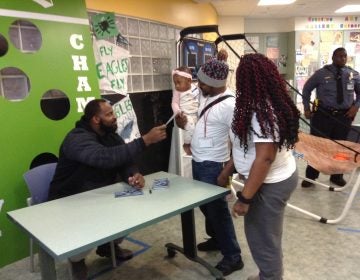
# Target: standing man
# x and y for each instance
(91, 156)
(335, 107)
(210, 151)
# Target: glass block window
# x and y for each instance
(151, 48)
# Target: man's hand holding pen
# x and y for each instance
(137, 181)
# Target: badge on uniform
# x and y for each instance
(206, 142)
(350, 85)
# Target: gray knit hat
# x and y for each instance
(213, 73)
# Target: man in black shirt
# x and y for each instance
(92, 155)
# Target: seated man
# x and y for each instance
(92, 155)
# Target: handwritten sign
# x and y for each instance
(126, 120)
(112, 64)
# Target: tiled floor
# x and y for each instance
(312, 250)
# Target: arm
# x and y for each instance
(265, 155)
(355, 107)
(84, 147)
(309, 86)
(175, 103)
(228, 170)
(181, 120)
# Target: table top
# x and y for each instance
(74, 224)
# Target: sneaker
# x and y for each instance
(227, 267)
(79, 270)
(208, 245)
(338, 181)
(306, 184)
(254, 277)
(120, 254)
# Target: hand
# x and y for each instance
(240, 209)
(137, 181)
(351, 113)
(307, 114)
(155, 135)
(222, 180)
(181, 120)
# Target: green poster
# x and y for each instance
(104, 25)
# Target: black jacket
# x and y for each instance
(88, 161)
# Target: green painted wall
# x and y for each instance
(25, 131)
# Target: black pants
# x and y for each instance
(334, 126)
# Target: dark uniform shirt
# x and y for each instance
(324, 80)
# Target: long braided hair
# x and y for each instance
(261, 90)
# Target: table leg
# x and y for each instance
(189, 244)
(47, 265)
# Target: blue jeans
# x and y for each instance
(218, 221)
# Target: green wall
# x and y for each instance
(25, 131)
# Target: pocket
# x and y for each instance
(330, 85)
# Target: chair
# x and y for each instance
(38, 182)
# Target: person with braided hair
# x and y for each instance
(264, 130)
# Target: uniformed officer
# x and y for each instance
(334, 107)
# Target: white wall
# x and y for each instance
(269, 25)
(231, 25)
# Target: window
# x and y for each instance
(151, 46)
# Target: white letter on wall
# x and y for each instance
(83, 84)
(74, 38)
(79, 62)
(81, 103)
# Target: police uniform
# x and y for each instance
(327, 108)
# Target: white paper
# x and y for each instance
(172, 117)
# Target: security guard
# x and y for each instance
(335, 86)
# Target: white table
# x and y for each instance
(74, 224)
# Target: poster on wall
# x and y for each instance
(126, 120)
(354, 37)
(301, 71)
(104, 25)
(112, 63)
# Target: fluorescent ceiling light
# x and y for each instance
(275, 2)
(348, 9)
(45, 3)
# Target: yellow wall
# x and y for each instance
(182, 13)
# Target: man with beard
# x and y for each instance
(91, 156)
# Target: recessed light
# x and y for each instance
(349, 9)
(275, 2)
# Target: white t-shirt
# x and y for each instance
(210, 140)
(282, 168)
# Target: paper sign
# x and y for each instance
(104, 25)
(112, 63)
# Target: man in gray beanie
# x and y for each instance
(210, 151)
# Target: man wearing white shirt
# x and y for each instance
(210, 150)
